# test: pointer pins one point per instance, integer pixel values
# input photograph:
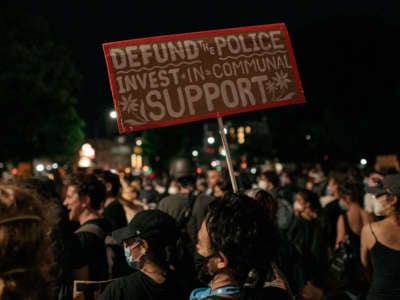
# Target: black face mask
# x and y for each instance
(202, 269)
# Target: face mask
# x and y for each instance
(297, 206)
(128, 258)
(379, 209)
(172, 190)
(262, 184)
(343, 205)
(201, 267)
(328, 191)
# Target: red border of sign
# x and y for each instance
(125, 129)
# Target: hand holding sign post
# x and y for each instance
(174, 79)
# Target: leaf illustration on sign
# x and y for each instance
(128, 104)
(281, 79)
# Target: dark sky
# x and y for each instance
(346, 51)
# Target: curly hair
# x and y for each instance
(89, 185)
(240, 228)
(25, 244)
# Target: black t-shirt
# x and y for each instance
(94, 250)
(115, 214)
(139, 286)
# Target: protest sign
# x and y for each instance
(88, 290)
(173, 79)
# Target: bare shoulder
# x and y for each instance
(367, 237)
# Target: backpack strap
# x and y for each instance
(92, 228)
(184, 219)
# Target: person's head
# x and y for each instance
(350, 192)
(85, 193)
(148, 237)
(335, 178)
(111, 181)
(269, 180)
(268, 202)
(201, 184)
(183, 170)
(213, 177)
(387, 194)
(236, 237)
(307, 200)
(25, 251)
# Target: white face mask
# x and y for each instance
(297, 206)
(379, 209)
(172, 190)
(262, 184)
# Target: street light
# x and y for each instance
(113, 114)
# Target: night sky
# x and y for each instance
(346, 53)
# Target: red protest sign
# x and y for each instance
(173, 79)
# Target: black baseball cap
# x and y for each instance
(152, 224)
(390, 184)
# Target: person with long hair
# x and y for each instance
(380, 242)
(25, 244)
(239, 244)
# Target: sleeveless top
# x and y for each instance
(386, 271)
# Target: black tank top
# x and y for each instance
(386, 270)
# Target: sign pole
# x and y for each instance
(228, 154)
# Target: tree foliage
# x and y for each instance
(38, 88)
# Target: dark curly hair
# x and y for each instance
(89, 185)
(25, 245)
(240, 228)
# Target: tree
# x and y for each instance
(161, 145)
(38, 88)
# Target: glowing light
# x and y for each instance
(195, 153)
(222, 151)
(211, 140)
(113, 114)
(54, 165)
(308, 137)
(139, 142)
(363, 161)
(87, 151)
(40, 168)
(84, 162)
(253, 170)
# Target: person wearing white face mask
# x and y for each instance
(380, 242)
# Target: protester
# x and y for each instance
(238, 243)
(113, 210)
(332, 210)
(85, 194)
(25, 244)
(306, 233)
(270, 182)
(380, 241)
(188, 209)
(349, 227)
(130, 199)
(290, 259)
(149, 240)
(212, 178)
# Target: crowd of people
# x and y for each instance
(190, 236)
